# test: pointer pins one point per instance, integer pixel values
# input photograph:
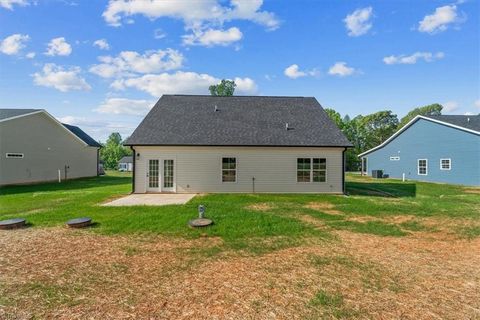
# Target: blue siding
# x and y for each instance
(428, 140)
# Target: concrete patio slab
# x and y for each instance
(150, 199)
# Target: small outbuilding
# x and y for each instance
(194, 143)
(443, 148)
(36, 147)
(125, 164)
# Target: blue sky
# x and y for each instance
(102, 64)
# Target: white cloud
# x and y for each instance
(180, 82)
(125, 106)
(102, 44)
(127, 63)
(191, 12)
(477, 103)
(8, 4)
(294, 72)
(30, 55)
(439, 20)
(212, 37)
(62, 79)
(58, 47)
(450, 106)
(341, 69)
(358, 22)
(412, 59)
(159, 34)
(99, 129)
(12, 45)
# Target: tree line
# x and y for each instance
(366, 132)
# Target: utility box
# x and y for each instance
(378, 174)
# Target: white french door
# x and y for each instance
(153, 175)
(168, 175)
(161, 175)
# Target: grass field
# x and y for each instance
(379, 252)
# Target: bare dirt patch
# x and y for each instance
(64, 274)
(264, 206)
(472, 190)
(323, 207)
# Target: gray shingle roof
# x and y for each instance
(82, 135)
(468, 122)
(239, 121)
(10, 113)
(126, 159)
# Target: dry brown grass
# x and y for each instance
(323, 207)
(263, 206)
(472, 190)
(65, 274)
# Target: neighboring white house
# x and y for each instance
(125, 164)
(191, 143)
(36, 147)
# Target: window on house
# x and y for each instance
(14, 155)
(422, 167)
(445, 164)
(229, 169)
(311, 169)
(394, 158)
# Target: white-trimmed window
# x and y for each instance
(422, 167)
(311, 170)
(14, 155)
(445, 164)
(396, 158)
(229, 169)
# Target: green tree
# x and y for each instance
(224, 89)
(378, 126)
(113, 151)
(430, 110)
(336, 117)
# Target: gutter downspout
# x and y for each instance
(343, 171)
(98, 161)
(133, 169)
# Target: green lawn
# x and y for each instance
(387, 250)
(251, 221)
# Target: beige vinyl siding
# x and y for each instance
(47, 147)
(198, 169)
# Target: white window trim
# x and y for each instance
(426, 167)
(449, 164)
(9, 155)
(396, 158)
(311, 169)
(221, 169)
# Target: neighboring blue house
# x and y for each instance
(435, 148)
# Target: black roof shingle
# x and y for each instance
(10, 113)
(82, 135)
(238, 121)
(468, 122)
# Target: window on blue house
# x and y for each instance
(445, 164)
(422, 167)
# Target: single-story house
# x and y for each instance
(125, 164)
(442, 148)
(195, 143)
(36, 147)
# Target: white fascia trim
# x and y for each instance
(22, 115)
(65, 128)
(409, 124)
(52, 118)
